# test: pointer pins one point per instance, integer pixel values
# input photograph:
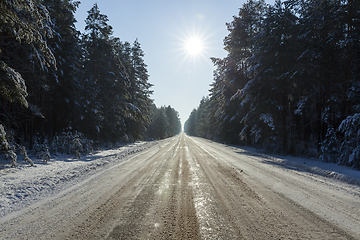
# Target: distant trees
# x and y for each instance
(165, 123)
(198, 123)
(56, 82)
(290, 79)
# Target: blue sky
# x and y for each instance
(162, 27)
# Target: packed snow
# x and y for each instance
(24, 185)
(312, 165)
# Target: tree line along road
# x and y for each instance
(192, 188)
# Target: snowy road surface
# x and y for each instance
(192, 188)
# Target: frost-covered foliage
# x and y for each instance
(67, 143)
(51, 76)
(300, 106)
(3, 142)
(350, 143)
(29, 21)
(26, 157)
(25, 27)
(343, 146)
(45, 155)
(290, 76)
(72, 143)
(77, 146)
(6, 147)
(267, 119)
(41, 149)
(330, 147)
(9, 148)
(256, 133)
(12, 85)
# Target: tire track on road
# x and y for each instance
(247, 215)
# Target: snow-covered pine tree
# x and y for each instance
(203, 125)
(25, 28)
(140, 92)
(233, 72)
(61, 109)
(293, 78)
(115, 127)
(323, 82)
(217, 99)
(349, 152)
(165, 123)
(107, 66)
(172, 117)
(191, 123)
(96, 46)
(271, 91)
(160, 124)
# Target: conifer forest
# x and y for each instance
(271, 149)
(65, 91)
(290, 81)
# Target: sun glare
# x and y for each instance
(194, 46)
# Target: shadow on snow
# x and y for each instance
(313, 166)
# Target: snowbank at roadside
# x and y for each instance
(21, 186)
(25, 184)
(312, 165)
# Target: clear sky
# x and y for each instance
(178, 39)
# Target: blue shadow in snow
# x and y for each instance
(313, 166)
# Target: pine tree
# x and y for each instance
(234, 72)
(140, 92)
(191, 123)
(160, 124)
(24, 55)
(98, 75)
(64, 83)
(116, 92)
(165, 123)
(271, 89)
(172, 117)
(22, 22)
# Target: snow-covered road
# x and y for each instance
(21, 186)
(180, 188)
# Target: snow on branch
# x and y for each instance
(267, 119)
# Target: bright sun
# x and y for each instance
(194, 46)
